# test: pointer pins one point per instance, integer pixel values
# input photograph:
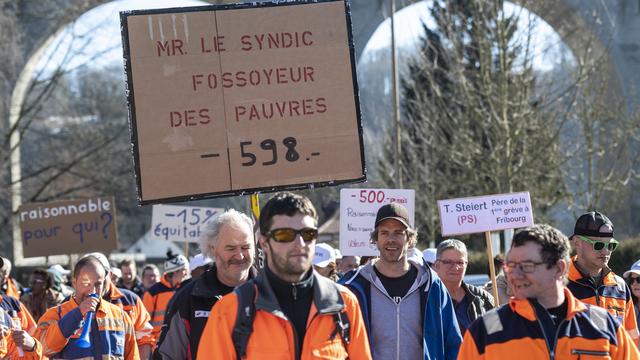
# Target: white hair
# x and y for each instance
(451, 244)
(211, 231)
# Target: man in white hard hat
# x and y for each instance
(324, 261)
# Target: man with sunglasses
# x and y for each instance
(543, 320)
(294, 309)
(590, 279)
(407, 310)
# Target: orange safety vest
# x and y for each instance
(60, 327)
(513, 331)
(155, 300)
(272, 336)
(132, 304)
(8, 349)
(613, 294)
(9, 303)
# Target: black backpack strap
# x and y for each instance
(342, 327)
(244, 318)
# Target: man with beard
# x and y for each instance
(405, 293)
(295, 310)
(543, 320)
(590, 279)
(129, 279)
(228, 239)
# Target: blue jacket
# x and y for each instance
(440, 333)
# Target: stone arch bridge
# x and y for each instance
(613, 23)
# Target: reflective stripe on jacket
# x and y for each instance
(8, 349)
(112, 335)
(131, 303)
(156, 300)
(613, 295)
(513, 330)
(273, 334)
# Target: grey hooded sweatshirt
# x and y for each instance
(396, 329)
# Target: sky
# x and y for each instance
(408, 23)
(97, 33)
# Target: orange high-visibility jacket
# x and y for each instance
(112, 335)
(513, 331)
(132, 304)
(273, 335)
(156, 299)
(9, 303)
(12, 289)
(8, 349)
(613, 294)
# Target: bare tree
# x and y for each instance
(480, 119)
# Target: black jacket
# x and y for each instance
(480, 301)
(137, 287)
(187, 315)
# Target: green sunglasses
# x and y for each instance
(599, 245)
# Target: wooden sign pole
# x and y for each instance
(492, 270)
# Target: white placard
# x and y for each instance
(485, 213)
(180, 223)
(358, 209)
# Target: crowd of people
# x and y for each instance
(308, 301)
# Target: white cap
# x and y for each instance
(324, 255)
(338, 254)
(57, 268)
(635, 269)
(116, 271)
(429, 255)
(102, 258)
(199, 260)
(6, 266)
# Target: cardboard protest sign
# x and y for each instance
(180, 223)
(358, 209)
(485, 213)
(68, 227)
(242, 98)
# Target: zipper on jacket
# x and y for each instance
(296, 351)
(398, 331)
(552, 353)
(588, 352)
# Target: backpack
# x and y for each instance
(246, 313)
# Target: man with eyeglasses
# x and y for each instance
(407, 310)
(288, 311)
(469, 301)
(590, 279)
(543, 320)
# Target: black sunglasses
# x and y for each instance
(634, 279)
(286, 235)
